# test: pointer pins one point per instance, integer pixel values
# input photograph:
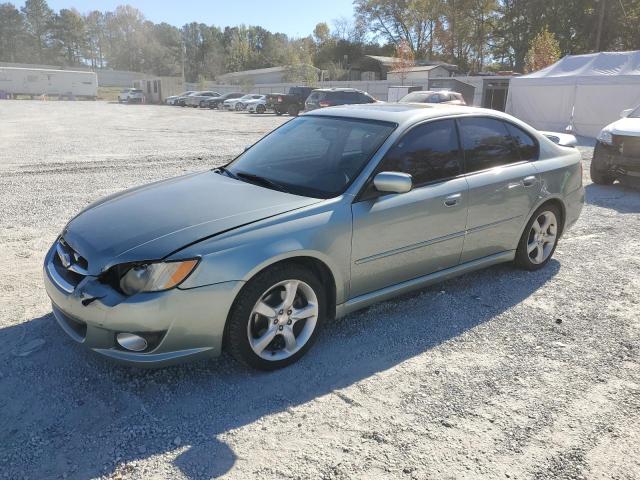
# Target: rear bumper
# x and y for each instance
(180, 324)
(573, 203)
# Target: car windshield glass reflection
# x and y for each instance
(312, 156)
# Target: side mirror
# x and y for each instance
(625, 113)
(393, 182)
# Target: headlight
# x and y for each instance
(605, 137)
(154, 277)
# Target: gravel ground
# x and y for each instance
(496, 374)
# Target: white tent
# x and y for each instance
(585, 92)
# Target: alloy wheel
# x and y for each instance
(542, 237)
(283, 320)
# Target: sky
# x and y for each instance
(296, 18)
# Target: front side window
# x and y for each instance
(312, 156)
(486, 143)
(429, 152)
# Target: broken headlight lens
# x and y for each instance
(155, 277)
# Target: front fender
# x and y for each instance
(322, 233)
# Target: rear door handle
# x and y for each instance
(452, 200)
(529, 181)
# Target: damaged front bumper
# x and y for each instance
(177, 324)
(615, 160)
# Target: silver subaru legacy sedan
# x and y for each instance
(329, 213)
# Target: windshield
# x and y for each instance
(313, 156)
(635, 113)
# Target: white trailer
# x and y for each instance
(40, 81)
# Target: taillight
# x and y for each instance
(324, 104)
(279, 99)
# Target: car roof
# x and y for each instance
(403, 113)
(336, 89)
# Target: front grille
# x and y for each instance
(627, 146)
(69, 264)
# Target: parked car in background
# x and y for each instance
(330, 97)
(181, 101)
(171, 100)
(291, 103)
(441, 96)
(257, 105)
(329, 213)
(216, 102)
(131, 95)
(617, 152)
(196, 99)
(239, 103)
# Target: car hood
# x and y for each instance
(625, 126)
(152, 221)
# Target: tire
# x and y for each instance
(535, 250)
(599, 176)
(261, 109)
(278, 112)
(293, 110)
(249, 331)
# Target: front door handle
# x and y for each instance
(529, 181)
(452, 200)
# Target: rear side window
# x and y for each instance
(429, 152)
(527, 147)
(486, 143)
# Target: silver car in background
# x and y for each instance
(329, 213)
(198, 99)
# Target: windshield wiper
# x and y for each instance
(226, 171)
(257, 179)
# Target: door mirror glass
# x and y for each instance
(625, 113)
(393, 182)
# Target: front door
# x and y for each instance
(399, 237)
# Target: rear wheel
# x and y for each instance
(276, 317)
(540, 238)
(261, 109)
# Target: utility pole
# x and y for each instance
(183, 51)
(600, 23)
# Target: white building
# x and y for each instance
(418, 74)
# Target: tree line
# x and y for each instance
(475, 35)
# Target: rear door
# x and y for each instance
(398, 237)
(503, 185)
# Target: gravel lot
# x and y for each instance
(497, 374)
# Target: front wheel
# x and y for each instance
(276, 317)
(540, 238)
(293, 110)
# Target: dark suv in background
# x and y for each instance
(291, 103)
(330, 97)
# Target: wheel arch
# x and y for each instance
(320, 268)
(556, 201)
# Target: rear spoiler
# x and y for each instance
(562, 139)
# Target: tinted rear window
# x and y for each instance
(486, 143)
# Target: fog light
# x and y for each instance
(132, 342)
